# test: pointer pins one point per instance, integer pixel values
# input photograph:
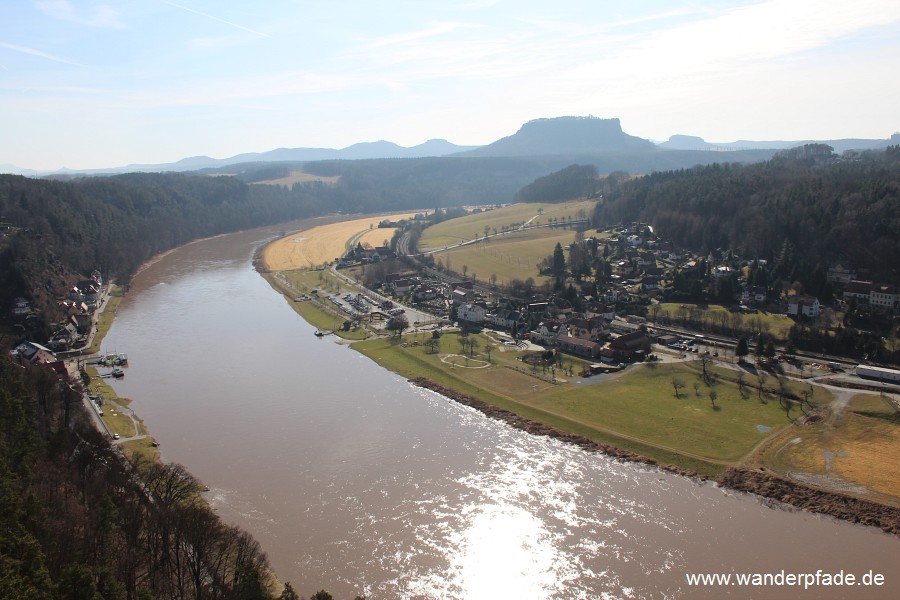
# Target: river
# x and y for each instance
(357, 482)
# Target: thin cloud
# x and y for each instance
(38, 53)
(415, 36)
(755, 36)
(214, 18)
(103, 16)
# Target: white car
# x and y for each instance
(115, 436)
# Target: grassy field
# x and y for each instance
(319, 245)
(470, 226)
(319, 314)
(117, 422)
(508, 257)
(300, 177)
(776, 324)
(637, 411)
(860, 446)
(106, 318)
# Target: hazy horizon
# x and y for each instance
(90, 85)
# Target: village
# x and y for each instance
(614, 310)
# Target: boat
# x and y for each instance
(118, 373)
(319, 333)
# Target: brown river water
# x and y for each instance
(357, 482)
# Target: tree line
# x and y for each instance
(826, 209)
(63, 229)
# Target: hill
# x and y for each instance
(568, 136)
(802, 209)
(690, 142)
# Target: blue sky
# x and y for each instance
(87, 84)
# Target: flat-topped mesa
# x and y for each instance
(566, 135)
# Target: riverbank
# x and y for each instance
(758, 482)
(536, 428)
(473, 388)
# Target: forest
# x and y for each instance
(570, 183)
(805, 208)
(59, 231)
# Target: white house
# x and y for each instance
(506, 318)
(546, 332)
(887, 296)
(471, 313)
(403, 286)
(807, 306)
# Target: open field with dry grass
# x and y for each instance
(376, 237)
(857, 449)
(777, 324)
(319, 245)
(513, 256)
(300, 177)
(466, 228)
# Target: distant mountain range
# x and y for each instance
(578, 137)
(690, 142)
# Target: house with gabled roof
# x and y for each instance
(473, 313)
(506, 319)
(806, 306)
(546, 332)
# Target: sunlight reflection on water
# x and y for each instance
(357, 482)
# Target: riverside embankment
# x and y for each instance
(349, 476)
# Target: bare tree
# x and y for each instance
(761, 386)
(742, 386)
(677, 384)
(488, 348)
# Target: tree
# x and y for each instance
(488, 348)
(705, 361)
(398, 323)
(677, 384)
(321, 595)
(743, 348)
(558, 266)
(713, 396)
(288, 593)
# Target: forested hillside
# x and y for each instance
(575, 181)
(804, 206)
(76, 524)
(113, 224)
